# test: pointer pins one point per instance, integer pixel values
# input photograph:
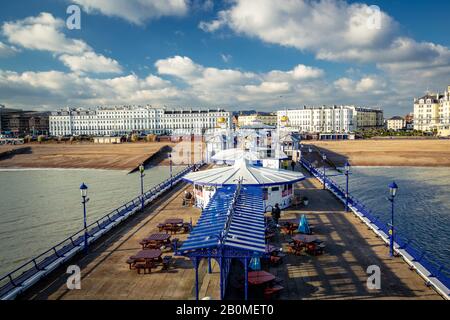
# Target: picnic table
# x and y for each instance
(256, 278)
(272, 249)
(145, 259)
(156, 241)
(148, 255)
(305, 238)
(174, 221)
(289, 225)
(173, 225)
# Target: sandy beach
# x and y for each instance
(419, 153)
(404, 152)
(93, 156)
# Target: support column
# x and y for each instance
(196, 278)
(222, 275)
(209, 265)
(246, 278)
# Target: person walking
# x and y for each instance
(293, 164)
(276, 213)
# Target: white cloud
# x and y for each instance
(269, 88)
(91, 62)
(7, 51)
(333, 30)
(182, 67)
(45, 33)
(55, 89)
(136, 11)
(368, 85)
(42, 33)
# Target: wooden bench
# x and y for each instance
(187, 227)
(271, 292)
(131, 263)
(141, 265)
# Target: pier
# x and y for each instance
(338, 274)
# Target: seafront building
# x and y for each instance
(128, 119)
(17, 122)
(331, 119)
(396, 123)
(265, 118)
(432, 113)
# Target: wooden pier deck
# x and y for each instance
(339, 274)
(350, 249)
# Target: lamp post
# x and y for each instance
(393, 192)
(84, 193)
(324, 158)
(141, 171)
(170, 166)
(347, 170)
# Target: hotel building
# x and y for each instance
(432, 113)
(396, 123)
(128, 119)
(265, 118)
(334, 119)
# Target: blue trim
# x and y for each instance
(246, 185)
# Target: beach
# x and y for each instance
(82, 156)
(404, 152)
(387, 152)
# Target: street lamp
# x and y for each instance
(347, 170)
(393, 192)
(142, 170)
(170, 166)
(324, 158)
(84, 193)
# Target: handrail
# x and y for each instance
(436, 270)
(120, 212)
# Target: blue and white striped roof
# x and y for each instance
(249, 175)
(242, 229)
(231, 155)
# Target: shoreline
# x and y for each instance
(127, 157)
(382, 153)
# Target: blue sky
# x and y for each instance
(235, 54)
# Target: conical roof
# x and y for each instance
(235, 154)
(250, 175)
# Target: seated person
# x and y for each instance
(187, 198)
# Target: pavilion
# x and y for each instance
(232, 224)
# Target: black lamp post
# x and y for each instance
(84, 193)
(393, 192)
(347, 171)
(142, 175)
(324, 158)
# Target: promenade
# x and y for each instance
(339, 274)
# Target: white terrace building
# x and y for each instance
(432, 112)
(334, 119)
(128, 119)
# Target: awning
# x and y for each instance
(243, 229)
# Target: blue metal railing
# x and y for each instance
(24, 276)
(411, 246)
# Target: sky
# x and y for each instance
(235, 54)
